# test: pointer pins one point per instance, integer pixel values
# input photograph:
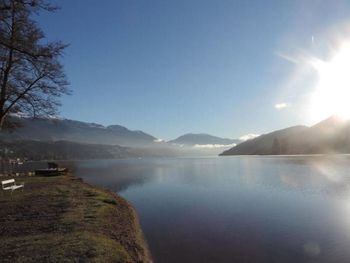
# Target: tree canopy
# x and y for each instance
(31, 75)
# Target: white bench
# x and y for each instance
(11, 185)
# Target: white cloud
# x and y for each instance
(287, 57)
(280, 106)
(211, 146)
(248, 136)
(178, 145)
(158, 140)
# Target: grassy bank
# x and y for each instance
(62, 219)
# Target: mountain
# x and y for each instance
(76, 131)
(95, 141)
(329, 136)
(192, 139)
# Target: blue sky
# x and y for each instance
(173, 67)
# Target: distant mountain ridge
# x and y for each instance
(46, 129)
(60, 135)
(329, 136)
(76, 131)
(202, 139)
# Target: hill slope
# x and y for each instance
(329, 136)
(64, 150)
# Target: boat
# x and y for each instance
(52, 170)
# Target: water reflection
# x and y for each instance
(117, 175)
(236, 209)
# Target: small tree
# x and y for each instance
(31, 75)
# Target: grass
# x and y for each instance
(62, 219)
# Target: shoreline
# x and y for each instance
(63, 218)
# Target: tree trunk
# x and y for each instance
(5, 77)
(2, 121)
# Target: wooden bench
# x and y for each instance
(11, 185)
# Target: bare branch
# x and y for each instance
(8, 108)
(31, 75)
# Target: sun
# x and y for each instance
(332, 93)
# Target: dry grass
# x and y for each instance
(62, 219)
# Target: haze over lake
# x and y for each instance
(236, 209)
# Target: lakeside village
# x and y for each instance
(11, 165)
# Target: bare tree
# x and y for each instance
(31, 76)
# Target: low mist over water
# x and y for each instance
(236, 209)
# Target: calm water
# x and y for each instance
(236, 209)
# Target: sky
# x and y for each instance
(226, 68)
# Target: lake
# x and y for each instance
(236, 209)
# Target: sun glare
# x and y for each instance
(332, 94)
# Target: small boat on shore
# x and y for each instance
(52, 170)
